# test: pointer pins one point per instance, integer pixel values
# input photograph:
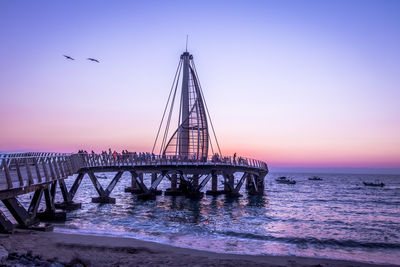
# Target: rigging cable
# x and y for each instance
(166, 106)
(208, 113)
(170, 115)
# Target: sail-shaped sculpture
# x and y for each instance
(191, 139)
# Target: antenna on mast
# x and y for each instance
(187, 40)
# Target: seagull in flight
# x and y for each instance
(68, 57)
(93, 59)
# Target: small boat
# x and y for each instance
(374, 184)
(284, 180)
(315, 178)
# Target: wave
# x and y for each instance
(352, 202)
(325, 242)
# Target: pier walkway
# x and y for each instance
(21, 173)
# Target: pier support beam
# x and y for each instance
(5, 225)
(235, 191)
(214, 182)
(229, 181)
(193, 191)
(173, 190)
(261, 184)
(26, 219)
(68, 196)
(153, 179)
(104, 195)
(152, 192)
(214, 186)
(194, 188)
(144, 193)
(255, 184)
(50, 214)
(21, 215)
(174, 181)
(135, 188)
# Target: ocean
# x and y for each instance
(337, 218)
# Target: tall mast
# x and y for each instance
(191, 139)
(184, 141)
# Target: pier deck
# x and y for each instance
(21, 173)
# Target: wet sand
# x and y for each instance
(117, 251)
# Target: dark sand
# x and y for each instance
(116, 251)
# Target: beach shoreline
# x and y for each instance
(94, 250)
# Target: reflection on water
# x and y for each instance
(336, 218)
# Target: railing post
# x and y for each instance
(60, 167)
(7, 173)
(53, 176)
(28, 171)
(46, 173)
(21, 181)
(38, 175)
(55, 166)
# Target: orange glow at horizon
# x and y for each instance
(288, 89)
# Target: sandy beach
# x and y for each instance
(115, 251)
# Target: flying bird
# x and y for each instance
(93, 59)
(68, 57)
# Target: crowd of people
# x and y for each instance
(123, 155)
(146, 156)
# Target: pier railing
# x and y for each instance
(132, 159)
(24, 169)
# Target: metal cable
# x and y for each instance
(170, 114)
(166, 106)
(208, 113)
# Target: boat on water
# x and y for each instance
(285, 180)
(315, 178)
(374, 184)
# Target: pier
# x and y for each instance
(188, 159)
(41, 173)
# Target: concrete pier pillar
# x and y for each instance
(214, 182)
(5, 225)
(193, 192)
(255, 184)
(228, 182)
(182, 184)
(260, 185)
(232, 181)
(173, 190)
(134, 188)
(214, 186)
(153, 178)
(50, 214)
(248, 183)
(134, 184)
(195, 182)
(174, 180)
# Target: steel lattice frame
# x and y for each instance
(191, 139)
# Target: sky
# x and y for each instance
(292, 83)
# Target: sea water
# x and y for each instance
(337, 218)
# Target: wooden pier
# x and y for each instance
(40, 173)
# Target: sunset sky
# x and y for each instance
(293, 83)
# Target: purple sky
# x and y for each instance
(294, 83)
